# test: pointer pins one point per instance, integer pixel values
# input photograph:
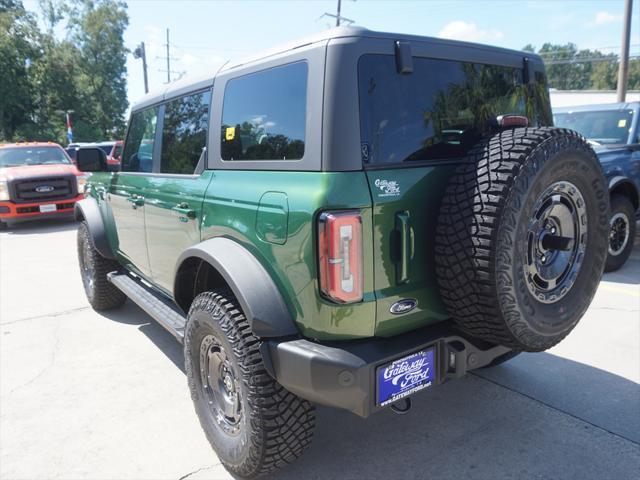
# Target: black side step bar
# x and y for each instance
(164, 312)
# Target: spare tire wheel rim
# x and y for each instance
(556, 242)
(618, 234)
(220, 386)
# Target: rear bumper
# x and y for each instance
(343, 374)
(17, 212)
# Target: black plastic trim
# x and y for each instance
(343, 374)
(256, 292)
(618, 181)
(89, 211)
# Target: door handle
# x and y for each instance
(406, 245)
(183, 209)
(137, 200)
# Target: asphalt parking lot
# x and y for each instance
(103, 396)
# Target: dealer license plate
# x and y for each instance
(406, 376)
(49, 207)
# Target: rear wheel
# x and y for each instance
(622, 232)
(521, 237)
(102, 295)
(254, 425)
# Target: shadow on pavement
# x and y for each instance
(539, 416)
(131, 314)
(474, 428)
(44, 225)
(630, 271)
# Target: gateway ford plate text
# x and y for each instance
(405, 376)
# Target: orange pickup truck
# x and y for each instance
(37, 179)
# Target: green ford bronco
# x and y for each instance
(345, 221)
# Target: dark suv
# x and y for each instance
(346, 221)
(614, 132)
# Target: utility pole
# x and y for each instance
(139, 52)
(623, 68)
(168, 59)
(338, 15)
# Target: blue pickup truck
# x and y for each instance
(614, 132)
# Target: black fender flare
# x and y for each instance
(628, 186)
(87, 210)
(252, 286)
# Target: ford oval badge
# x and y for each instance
(44, 189)
(403, 306)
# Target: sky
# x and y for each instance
(206, 33)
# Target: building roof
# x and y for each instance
(598, 107)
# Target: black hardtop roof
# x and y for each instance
(190, 84)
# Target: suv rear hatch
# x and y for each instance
(415, 127)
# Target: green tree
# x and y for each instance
(18, 49)
(96, 29)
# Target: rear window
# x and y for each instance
(439, 111)
(600, 127)
(264, 115)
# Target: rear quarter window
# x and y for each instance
(264, 115)
(438, 112)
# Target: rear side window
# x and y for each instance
(138, 148)
(264, 115)
(438, 112)
(184, 133)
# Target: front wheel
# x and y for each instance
(254, 425)
(102, 295)
(622, 232)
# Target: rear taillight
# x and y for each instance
(340, 256)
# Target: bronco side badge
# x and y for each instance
(403, 306)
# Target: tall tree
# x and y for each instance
(18, 49)
(96, 29)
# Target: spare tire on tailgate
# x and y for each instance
(521, 240)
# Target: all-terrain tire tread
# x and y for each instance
(106, 296)
(282, 423)
(469, 223)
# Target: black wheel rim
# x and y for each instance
(618, 233)
(556, 242)
(88, 269)
(220, 386)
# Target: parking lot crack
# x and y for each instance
(46, 315)
(52, 361)
(599, 427)
(202, 469)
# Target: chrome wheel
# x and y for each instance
(556, 242)
(220, 385)
(619, 233)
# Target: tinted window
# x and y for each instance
(600, 127)
(264, 115)
(138, 148)
(184, 133)
(437, 112)
(106, 148)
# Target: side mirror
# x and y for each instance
(91, 159)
